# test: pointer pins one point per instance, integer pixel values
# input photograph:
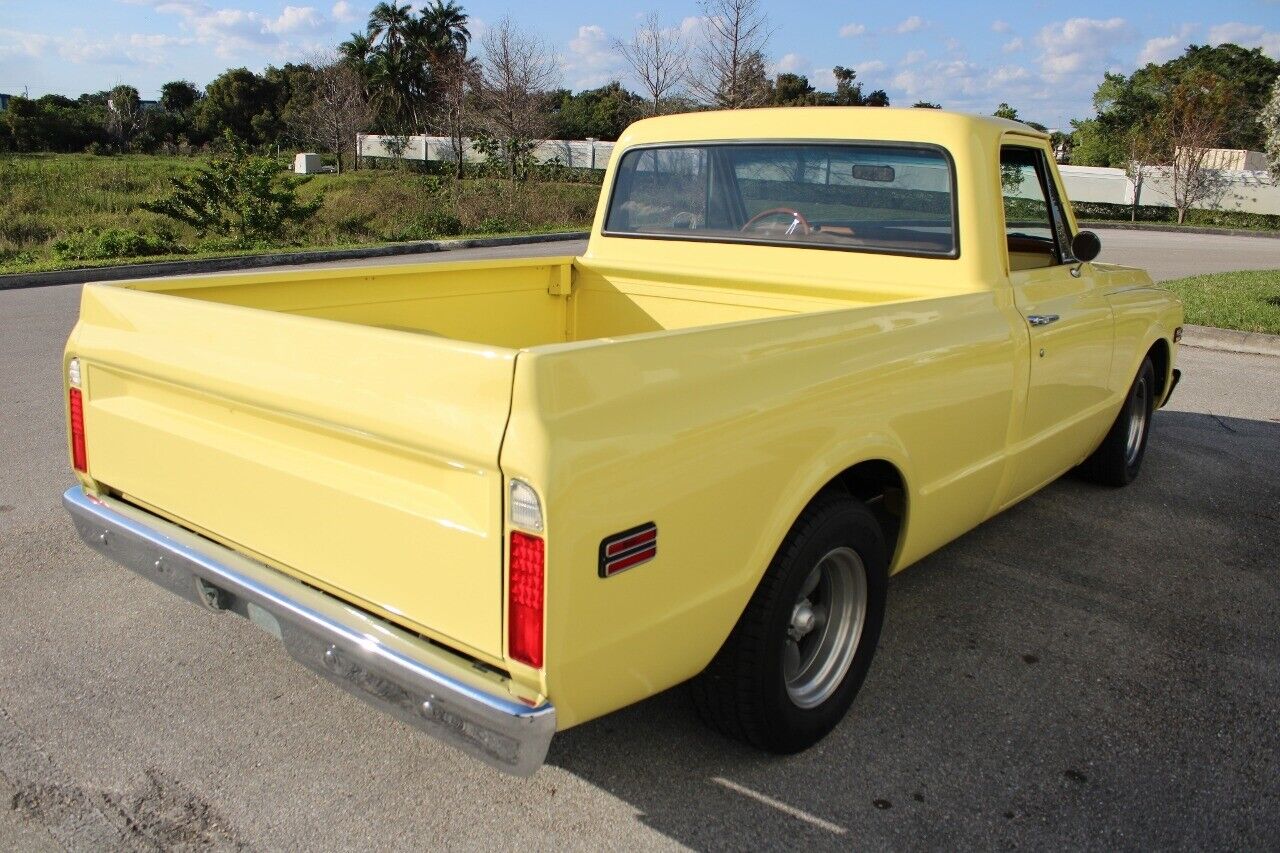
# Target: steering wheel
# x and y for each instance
(798, 222)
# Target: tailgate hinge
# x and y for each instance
(561, 280)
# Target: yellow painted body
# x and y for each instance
(357, 427)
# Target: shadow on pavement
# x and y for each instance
(1094, 666)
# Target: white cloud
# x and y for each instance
(1013, 45)
(823, 79)
(692, 26)
(913, 57)
(1081, 46)
(1000, 27)
(591, 61)
(910, 25)
(1247, 35)
(78, 47)
(342, 11)
(849, 31)
(1164, 48)
(295, 19)
(232, 32)
(791, 63)
(17, 43)
(871, 66)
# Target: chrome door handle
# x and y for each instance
(1042, 319)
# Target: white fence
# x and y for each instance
(584, 154)
(1249, 191)
(1235, 189)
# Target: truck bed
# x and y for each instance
(521, 303)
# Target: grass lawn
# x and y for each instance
(1248, 301)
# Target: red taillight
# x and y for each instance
(78, 456)
(528, 562)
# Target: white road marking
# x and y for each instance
(799, 814)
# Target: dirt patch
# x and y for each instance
(168, 815)
(159, 815)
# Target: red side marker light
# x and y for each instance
(79, 459)
(525, 611)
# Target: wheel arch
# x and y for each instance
(1161, 354)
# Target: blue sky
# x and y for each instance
(1045, 58)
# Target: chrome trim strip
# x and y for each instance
(446, 695)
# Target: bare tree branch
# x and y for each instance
(1194, 119)
(731, 69)
(518, 69)
(337, 108)
(659, 58)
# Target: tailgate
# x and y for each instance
(362, 460)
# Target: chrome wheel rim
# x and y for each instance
(825, 628)
(1137, 422)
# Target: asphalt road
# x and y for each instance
(1093, 668)
(1165, 255)
(1169, 255)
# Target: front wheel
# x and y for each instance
(794, 662)
(1118, 459)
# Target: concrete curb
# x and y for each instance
(1229, 340)
(1119, 225)
(246, 262)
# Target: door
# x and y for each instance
(1069, 325)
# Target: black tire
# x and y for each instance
(744, 693)
(1117, 460)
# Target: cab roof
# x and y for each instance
(889, 124)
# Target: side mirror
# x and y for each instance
(1085, 246)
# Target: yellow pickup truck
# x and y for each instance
(804, 348)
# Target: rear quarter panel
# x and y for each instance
(721, 436)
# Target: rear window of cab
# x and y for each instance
(890, 198)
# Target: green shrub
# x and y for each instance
(495, 225)
(238, 198)
(427, 226)
(95, 244)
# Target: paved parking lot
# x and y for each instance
(1094, 667)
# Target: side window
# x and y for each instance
(1034, 225)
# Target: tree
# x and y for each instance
(793, 90)
(240, 101)
(237, 197)
(1270, 121)
(1122, 103)
(1006, 111)
(927, 105)
(124, 114)
(849, 91)
(332, 110)
(179, 97)
(731, 59)
(1196, 116)
(1142, 150)
(601, 113)
(443, 28)
(518, 68)
(659, 59)
(453, 74)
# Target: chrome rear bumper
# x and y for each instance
(466, 705)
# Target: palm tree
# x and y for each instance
(392, 24)
(444, 28)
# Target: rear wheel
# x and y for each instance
(794, 662)
(1118, 459)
